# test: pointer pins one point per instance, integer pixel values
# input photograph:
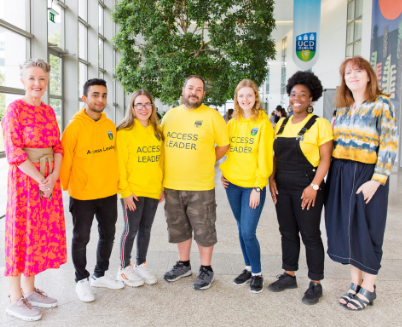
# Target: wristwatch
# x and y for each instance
(315, 187)
(257, 189)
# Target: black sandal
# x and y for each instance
(370, 296)
(348, 296)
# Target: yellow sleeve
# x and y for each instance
(221, 134)
(325, 132)
(68, 142)
(265, 155)
(122, 159)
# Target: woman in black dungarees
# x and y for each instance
(302, 147)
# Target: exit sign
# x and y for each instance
(51, 17)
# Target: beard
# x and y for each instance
(95, 109)
(193, 105)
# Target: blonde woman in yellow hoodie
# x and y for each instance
(140, 161)
(245, 175)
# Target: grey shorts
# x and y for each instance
(191, 210)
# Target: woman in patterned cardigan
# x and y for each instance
(365, 147)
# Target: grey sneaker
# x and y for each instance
(178, 271)
(22, 309)
(204, 279)
(39, 298)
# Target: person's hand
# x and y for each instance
(273, 190)
(369, 188)
(162, 197)
(308, 197)
(225, 182)
(254, 199)
(129, 202)
(47, 185)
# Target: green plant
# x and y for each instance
(162, 42)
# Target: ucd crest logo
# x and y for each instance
(158, 137)
(254, 131)
(306, 45)
(198, 123)
(110, 134)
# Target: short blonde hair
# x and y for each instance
(238, 112)
(34, 63)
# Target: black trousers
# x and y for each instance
(294, 221)
(83, 212)
(137, 223)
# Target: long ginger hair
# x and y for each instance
(255, 111)
(344, 96)
(128, 120)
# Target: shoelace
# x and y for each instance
(24, 301)
(203, 272)
(40, 292)
(280, 277)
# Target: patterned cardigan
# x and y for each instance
(370, 136)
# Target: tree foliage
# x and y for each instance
(164, 41)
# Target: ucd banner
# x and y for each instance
(306, 32)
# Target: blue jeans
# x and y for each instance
(247, 222)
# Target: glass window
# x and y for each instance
(349, 33)
(357, 47)
(100, 59)
(56, 105)
(358, 29)
(54, 24)
(82, 9)
(15, 12)
(351, 11)
(100, 19)
(100, 75)
(82, 41)
(359, 8)
(16, 50)
(55, 75)
(82, 78)
(5, 100)
(349, 51)
(267, 83)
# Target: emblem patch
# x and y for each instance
(306, 45)
(158, 137)
(254, 131)
(110, 134)
(198, 123)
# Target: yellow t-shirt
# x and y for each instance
(140, 161)
(317, 135)
(249, 160)
(189, 145)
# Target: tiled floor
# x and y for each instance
(224, 304)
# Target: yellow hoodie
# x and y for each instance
(89, 168)
(249, 160)
(140, 161)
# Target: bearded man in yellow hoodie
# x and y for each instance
(90, 174)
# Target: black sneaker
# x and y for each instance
(257, 284)
(313, 294)
(243, 278)
(284, 281)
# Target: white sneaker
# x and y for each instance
(84, 291)
(129, 277)
(146, 274)
(106, 281)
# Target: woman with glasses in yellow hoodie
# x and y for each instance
(245, 175)
(140, 160)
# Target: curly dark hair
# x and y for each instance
(307, 79)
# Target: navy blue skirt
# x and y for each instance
(355, 229)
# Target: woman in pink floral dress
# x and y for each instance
(35, 237)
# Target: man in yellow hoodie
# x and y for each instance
(191, 132)
(90, 174)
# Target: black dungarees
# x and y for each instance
(293, 174)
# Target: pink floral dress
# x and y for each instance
(35, 236)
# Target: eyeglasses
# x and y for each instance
(139, 106)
